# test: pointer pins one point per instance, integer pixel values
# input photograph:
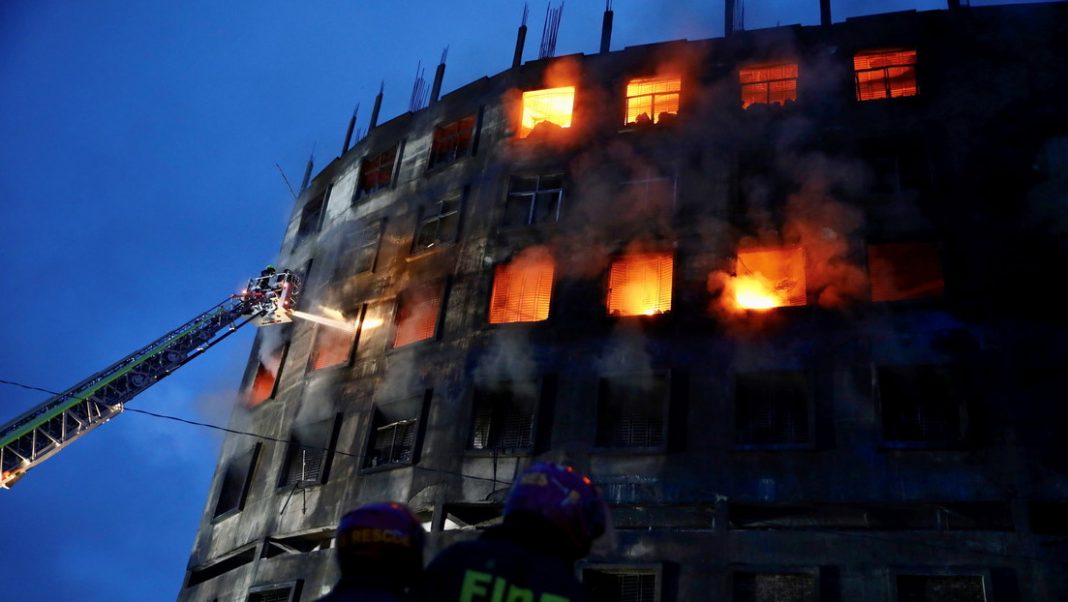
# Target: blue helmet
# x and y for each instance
(566, 499)
(382, 541)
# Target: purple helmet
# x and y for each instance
(567, 499)
(384, 541)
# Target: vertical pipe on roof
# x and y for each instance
(728, 17)
(954, 4)
(825, 12)
(520, 39)
(348, 133)
(439, 76)
(377, 107)
(307, 172)
(606, 28)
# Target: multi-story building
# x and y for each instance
(791, 297)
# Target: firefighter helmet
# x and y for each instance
(381, 541)
(565, 498)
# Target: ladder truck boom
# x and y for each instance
(49, 427)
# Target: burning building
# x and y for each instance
(789, 296)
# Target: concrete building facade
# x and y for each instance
(790, 297)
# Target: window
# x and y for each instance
(230, 562)
(632, 411)
(360, 250)
(309, 453)
(302, 543)
(289, 592)
(332, 347)
(505, 417)
(621, 584)
(546, 110)
(395, 433)
(920, 405)
(885, 74)
(652, 100)
(774, 587)
(268, 370)
(376, 172)
(768, 278)
(952, 588)
(438, 224)
(534, 200)
(904, 270)
(418, 310)
(651, 195)
(311, 216)
(772, 408)
(523, 288)
(768, 84)
(640, 284)
(451, 141)
(236, 479)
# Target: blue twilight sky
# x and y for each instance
(138, 187)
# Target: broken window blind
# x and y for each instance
(392, 443)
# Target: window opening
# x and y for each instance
(775, 587)
(504, 417)
(311, 216)
(360, 251)
(620, 585)
(394, 437)
(955, 588)
(332, 347)
(772, 408)
(919, 404)
(276, 593)
(452, 141)
(534, 200)
(376, 172)
(769, 278)
(768, 84)
(439, 224)
(308, 455)
(547, 110)
(640, 284)
(632, 411)
(522, 288)
(220, 567)
(885, 74)
(652, 100)
(237, 476)
(904, 270)
(418, 311)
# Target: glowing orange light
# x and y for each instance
(768, 84)
(523, 288)
(652, 98)
(262, 386)
(885, 74)
(640, 285)
(417, 317)
(769, 278)
(552, 105)
(332, 347)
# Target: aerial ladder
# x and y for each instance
(44, 430)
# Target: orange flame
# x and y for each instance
(768, 278)
(640, 285)
(552, 105)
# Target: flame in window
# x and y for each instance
(651, 99)
(906, 270)
(262, 386)
(768, 84)
(332, 347)
(417, 316)
(769, 278)
(640, 285)
(552, 105)
(885, 74)
(523, 288)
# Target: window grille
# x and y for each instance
(775, 587)
(452, 141)
(332, 347)
(640, 284)
(652, 100)
(772, 408)
(308, 454)
(392, 443)
(632, 411)
(620, 585)
(534, 200)
(417, 315)
(907, 270)
(550, 106)
(376, 171)
(440, 224)
(919, 404)
(768, 84)
(522, 289)
(885, 74)
(950, 588)
(504, 418)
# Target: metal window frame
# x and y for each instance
(533, 196)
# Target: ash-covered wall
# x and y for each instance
(891, 430)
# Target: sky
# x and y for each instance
(140, 146)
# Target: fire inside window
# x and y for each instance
(522, 289)
(417, 315)
(885, 74)
(652, 100)
(451, 141)
(768, 278)
(768, 84)
(534, 200)
(551, 106)
(640, 285)
(262, 386)
(332, 347)
(907, 270)
(377, 171)
(439, 224)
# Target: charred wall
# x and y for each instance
(867, 441)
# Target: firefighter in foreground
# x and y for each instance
(380, 553)
(551, 518)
